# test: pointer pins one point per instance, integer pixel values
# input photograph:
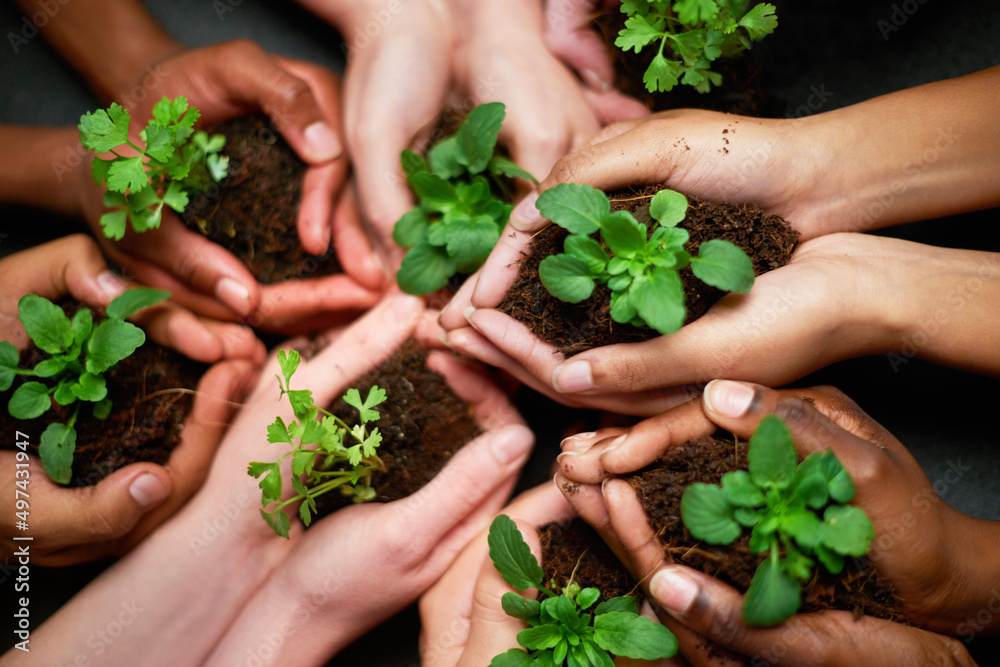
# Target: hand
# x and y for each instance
(922, 546)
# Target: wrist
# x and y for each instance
(972, 589)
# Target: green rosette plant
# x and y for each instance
(81, 352)
(640, 269)
(565, 628)
(175, 161)
(798, 515)
(464, 192)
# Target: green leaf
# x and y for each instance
(539, 637)
(270, 483)
(846, 530)
(412, 163)
(811, 489)
(470, 243)
(511, 555)
(658, 297)
(661, 75)
(723, 265)
(279, 522)
(579, 209)
(477, 135)
(29, 401)
(376, 396)
(303, 462)
(111, 341)
(102, 409)
(746, 516)
(772, 455)
(669, 207)
(55, 449)
(114, 224)
(218, 168)
(760, 21)
(832, 561)
(597, 656)
(446, 159)
(102, 130)
(708, 515)
(501, 166)
(740, 490)
(277, 432)
(81, 325)
(288, 361)
(90, 387)
(691, 12)
(519, 607)
(434, 192)
(566, 278)
(99, 171)
(638, 32)
(64, 394)
(629, 603)
(623, 234)
(175, 197)
(633, 636)
(587, 597)
(588, 251)
(9, 358)
(804, 526)
(411, 228)
(130, 302)
(159, 142)
(302, 406)
(622, 309)
(127, 174)
(45, 323)
(425, 269)
(561, 610)
(773, 596)
(514, 657)
(169, 111)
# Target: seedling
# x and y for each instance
(696, 32)
(324, 459)
(464, 193)
(800, 508)
(81, 352)
(642, 270)
(560, 629)
(174, 162)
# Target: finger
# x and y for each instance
(69, 265)
(453, 314)
(569, 36)
(320, 185)
(582, 464)
(238, 341)
(613, 106)
(648, 440)
(500, 270)
(354, 249)
(307, 305)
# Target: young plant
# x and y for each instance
(174, 162)
(799, 509)
(696, 32)
(560, 629)
(81, 352)
(464, 194)
(325, 457)
(642, 270)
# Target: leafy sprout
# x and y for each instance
(464, 194)
(690, 35)
(80, 352)
(799, 509)
(175, 161)
(330, 453)
(641, 269)
(565, 627)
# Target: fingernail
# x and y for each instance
(572, 377)
(402, 307)
(615, 444)
(576, 443)
(232, 293)
(595, 81)
(467, 313)
(148, 490)
(728, 398)
(110, 284)
(323, 141)
(510, 444)
(443, 337)
(673, 590)
(525, 216)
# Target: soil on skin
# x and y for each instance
(741, 92)
(423, 423)
(574, 551)
(144, 425)
(253, 215)
(660, 486)
(573, 328)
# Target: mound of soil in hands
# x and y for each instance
(858, 588)
(146, 421)
(253, 213)
(574, 551)
(767, 239)
(423, 423)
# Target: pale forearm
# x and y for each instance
(109, 42)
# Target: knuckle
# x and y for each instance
(292, 91)
(565, 170)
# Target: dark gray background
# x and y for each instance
(845, 48)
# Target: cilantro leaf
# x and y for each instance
(661, 75)
(270, 483)
(127, 173)
(102, 130)
(638, 32)
(760, 21)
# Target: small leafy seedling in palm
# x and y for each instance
(175, 162)
(464, 192)
(331, 454)
(80, 353)
(798, 508)
(696, 32)
(642, 269)
(560, 629)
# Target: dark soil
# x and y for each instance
(741, 91)
(576, 552)
(767, 239)
(857, 589)
(253, 214)
(423, 423)
(144, 425)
